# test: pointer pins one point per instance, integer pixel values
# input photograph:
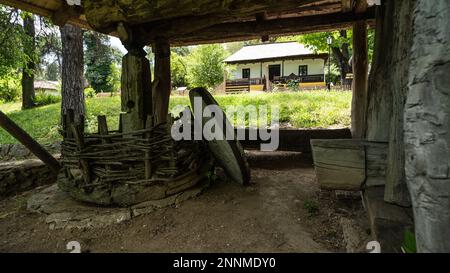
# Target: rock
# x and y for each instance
(64, 212)
(19, 176)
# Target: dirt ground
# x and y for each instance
(282, 211)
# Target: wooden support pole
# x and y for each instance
(162, 82)
(136, 88)
(24, 138)
(360, 70)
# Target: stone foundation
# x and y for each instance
(19, 176)
(19, 152)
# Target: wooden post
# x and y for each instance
(162, 82)
(360, 70)
(24, 138)
(136, 90)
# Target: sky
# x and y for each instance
(115, 42)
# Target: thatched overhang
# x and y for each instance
(187, 22)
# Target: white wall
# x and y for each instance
(315, 66)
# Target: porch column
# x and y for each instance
(266, 75)
(360, 70)
(162, 82)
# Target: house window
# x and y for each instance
(303, 70)
(246, 73)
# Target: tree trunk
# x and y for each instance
(427, 125)
(388, 85)
(28, 94)
(72, 72)
(342, 62)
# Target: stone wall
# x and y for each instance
(19, 176)
(18, 151)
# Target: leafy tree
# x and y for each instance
(12, 36)
(48, 43)
(178, 70)
(341, 48)
(52, 72)
(99, 59)
(181, 51)
(206, 67)
(28, 69)
(12, 57)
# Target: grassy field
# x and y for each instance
(315, 109)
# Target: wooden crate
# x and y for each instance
(349, 164)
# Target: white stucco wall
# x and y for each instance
(315, 66)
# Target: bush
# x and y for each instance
(10, 89)
(46, 99)
(335, 78)
(89, 93)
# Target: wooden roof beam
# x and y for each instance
(251, 30)
(357, 6)
(104, 15)
(65, 13)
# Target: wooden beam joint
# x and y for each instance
(65, 13)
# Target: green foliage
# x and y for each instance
(318, 41)
(43, 98)
(89, 93)
(12, 39)
(335, 78)
(52, 72)
(409, 242)
(178, 69)
(10, 87)
(206, 67)
(100, 58)
(311, 207)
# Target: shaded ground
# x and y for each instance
(282, 211)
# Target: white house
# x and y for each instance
(277, 62)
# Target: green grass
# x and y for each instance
(315, 109)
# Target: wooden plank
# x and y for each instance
(18, 133)
(340, 168)
(349, 164)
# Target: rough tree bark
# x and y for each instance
(388, 85)
(28, 94)
(162, 82)
(427, 125)
(72, 72)
(136, 95)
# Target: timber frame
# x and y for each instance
(187, 22)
